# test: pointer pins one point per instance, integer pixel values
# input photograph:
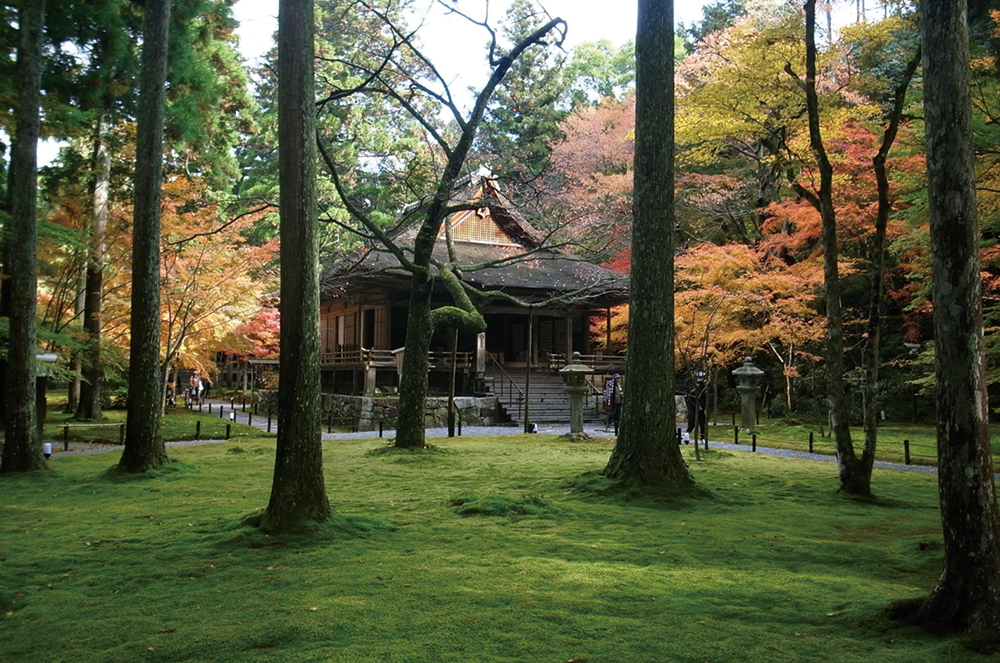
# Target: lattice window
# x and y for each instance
(479, 227)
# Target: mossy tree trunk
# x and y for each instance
(298, 490)
(144, 449)
(89, 406)
(421, 319)
(647, 450)
(22, 450)
(967, 595)
(413, 377)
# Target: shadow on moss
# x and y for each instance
(594, 485)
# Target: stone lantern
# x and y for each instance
(747, 376)
(575, 374)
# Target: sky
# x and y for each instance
(450, 40)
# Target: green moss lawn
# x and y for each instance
(481, 550)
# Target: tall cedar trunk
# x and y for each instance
(853, 477)
(76, 366)
(647, 449)
(298, 491)
(968, 593)
(144, 448)
(22, 451)
(90, 388)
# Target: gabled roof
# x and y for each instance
(498, 247)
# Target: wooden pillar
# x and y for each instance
(569, 337)
(607, 331)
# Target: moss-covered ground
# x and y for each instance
(479, 550)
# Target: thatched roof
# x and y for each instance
(498, 249)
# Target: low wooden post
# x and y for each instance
(736, 434)
(906, 451)
(229, 429)
(197, 430)
(753, 439)
(810, 441)
(121, 434)
(269, 421)
(65, 438)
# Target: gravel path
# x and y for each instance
(596, 431)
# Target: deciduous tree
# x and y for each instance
(416, 94)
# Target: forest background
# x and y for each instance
(558, 135)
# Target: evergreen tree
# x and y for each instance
(967, 596)
(144, 449)
(298, 491)
(22, 451)
(647, 450)
(522, 121)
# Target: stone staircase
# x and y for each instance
(549, 402)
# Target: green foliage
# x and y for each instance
(718, 15)
(114, 376)
(599, 70)
(522, 121)
(764, 557)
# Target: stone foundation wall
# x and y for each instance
(367, 411)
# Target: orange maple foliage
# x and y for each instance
(733, 301)
(211, 278)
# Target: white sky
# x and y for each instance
(458, 48)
